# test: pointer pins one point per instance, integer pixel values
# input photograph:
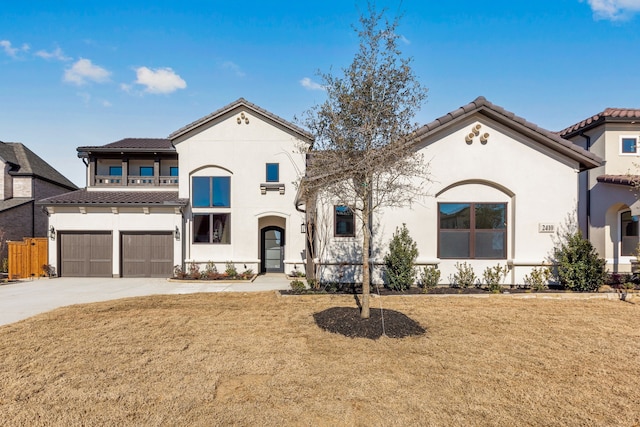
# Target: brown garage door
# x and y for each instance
(147, 254)
(85, 254)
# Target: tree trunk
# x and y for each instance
(366, 242)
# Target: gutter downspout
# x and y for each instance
(588, 195)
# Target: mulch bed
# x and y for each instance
(347, 321)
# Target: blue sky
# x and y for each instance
(76, 73)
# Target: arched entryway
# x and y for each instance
(272, 244)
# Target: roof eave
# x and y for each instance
(233, 106)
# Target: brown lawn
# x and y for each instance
(259, 359)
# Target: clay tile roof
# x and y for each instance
(241, 102)
(548, 138)
(624, 115)
(132, 144)
(116, 198)
(627, 180)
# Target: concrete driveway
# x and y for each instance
(22, 299)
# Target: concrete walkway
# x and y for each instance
(26, 298)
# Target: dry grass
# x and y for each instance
(259, 359)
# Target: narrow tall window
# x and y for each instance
(173, 171)
(273, 172)
(344, 221)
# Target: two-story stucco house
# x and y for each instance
(25, 178)
(500, 188)
(608, 200)
(218, 190)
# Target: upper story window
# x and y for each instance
(628, 145)
(173, 171)
(115, 170)
(146, 170)
(344, 221)
(472, 230)
(273, 172)
(211, 191)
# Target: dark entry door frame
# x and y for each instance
(272, 242)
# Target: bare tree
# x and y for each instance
(362, 156)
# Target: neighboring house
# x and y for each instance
(500, 188)
(608, 207)
(25, 178)
(219, 190)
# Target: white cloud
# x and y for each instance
(55, 54)
(229, 65)
(161, 80)
(404, 40)
(83, 71)
(307, 83)
(13, 51)
(614, 10)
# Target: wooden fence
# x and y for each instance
(27, 258)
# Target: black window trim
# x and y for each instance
(335, 221)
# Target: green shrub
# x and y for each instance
(494, 276)
(4, 267)
(210, 271)
(230, 269)
(400, 260)
(538, 278)
(429, 277)
(297, 286)
(464, 275)
(313, 284)
(194, 271)
(579, 268)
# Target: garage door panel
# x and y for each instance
(85, 254)
(147, 255)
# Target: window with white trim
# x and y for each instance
(628, 145)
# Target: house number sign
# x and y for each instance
(546, 228)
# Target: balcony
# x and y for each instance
(135, 181)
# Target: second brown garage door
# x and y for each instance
(147, 254)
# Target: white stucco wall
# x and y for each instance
(241, 151)
(539, 186)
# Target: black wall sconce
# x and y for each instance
(303, 228)
(176, 233)
(52, 233)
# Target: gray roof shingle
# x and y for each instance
(116, 198)
(27, 163)
(132, 144)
